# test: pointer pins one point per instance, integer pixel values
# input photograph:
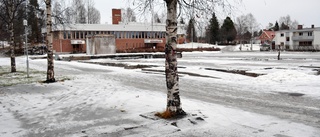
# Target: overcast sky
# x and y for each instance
(306, 12)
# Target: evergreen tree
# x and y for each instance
(276, 26)
(182, 21)
(228, 32)
(284, 26)
(33, 22)
(191, 31)
(19, 29)
(156, 18)
(213, 30)
(260, 33)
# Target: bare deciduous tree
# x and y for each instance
(128, 15)
(93, 14)
(287, 21)
(242, 28)
(174, 9)
(9, 9)
(246, 24)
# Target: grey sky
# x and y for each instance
(306, 12)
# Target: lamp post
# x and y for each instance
(25, 23)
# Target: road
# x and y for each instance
(301, 109)
(265, 100)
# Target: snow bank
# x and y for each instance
(288, 76)
(196, 45)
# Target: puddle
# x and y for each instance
(186, 73)
(126, 66)
(292, 94)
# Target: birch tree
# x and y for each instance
(50, 69)
(9, 9)
(242, 27)
(174, 107)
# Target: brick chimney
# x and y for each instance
(116, 16)
(312, 26)
(300, 27)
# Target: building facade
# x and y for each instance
(301, 39)
(129, 36)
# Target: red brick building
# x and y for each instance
(128, 36)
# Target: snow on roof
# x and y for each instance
(118, 27)
(301, 30)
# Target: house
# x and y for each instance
(301, 39)
(266, 39)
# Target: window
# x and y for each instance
(126, 33)
(300, 34)
(309, 33)
(148, 34)
(282, 35)
(77, 35)
(163, 35)
(305, 43)
(69, 35)
(81, 35)
(64, 35)
(143, 34)
(287, 38)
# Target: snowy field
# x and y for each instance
(283, 100)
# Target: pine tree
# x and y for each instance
(35, 34)
(276, 26)
(228, 31)
(213, 30)
(191, 31)
(284, 26)
(182, 21)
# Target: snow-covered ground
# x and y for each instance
(244, 47)
(97, 100)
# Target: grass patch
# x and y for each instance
(20, 77)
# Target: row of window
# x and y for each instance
(300, 34)
(117, 34)
(305, 43)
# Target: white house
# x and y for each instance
(305, 39)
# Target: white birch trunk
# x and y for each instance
(50, 70)
(172, 79)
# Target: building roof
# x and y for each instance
(268, 33)
(117, 27)
(301, 30)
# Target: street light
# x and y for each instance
(25, 23)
